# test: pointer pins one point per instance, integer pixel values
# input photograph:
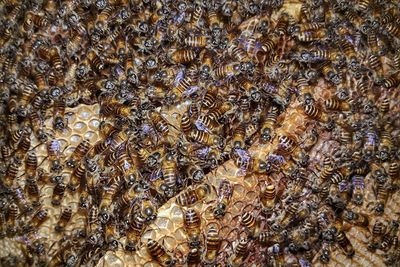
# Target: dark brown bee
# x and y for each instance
(58, 194)
(39, 218)
(192, 196)
(16, 136)
(213, 243)
(209, 99)
(95, 60)
(240, 254)
(377, 232)
(37, 20)
(12, 215)
(65, 217)
(336, 104)
(159, 254)
(12, 171)
(193, 257)
(33, 190)
(357, 219)
(389, 236)
(80, 151)
(345, 244)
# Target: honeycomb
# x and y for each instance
(296, 117)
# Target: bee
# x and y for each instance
(12, 171)
(385, 146)
(210, 98)
(95, 60)
(33, 190)
(195, 20)
(39, 218)
(148, 210)
(193, 195)
(23, 146)
(177, 91)
(224, 193)
(389, 236)
(79, 152)
(227, 71)
(389, 82)
(216, 114)
(393, 170)
(106, 201)
(336, 104)
(251, 90)
(169, 170)
(77, 176)
(65, 217)
(186, 123)
(206, 138)
(345, 244)
(393, 29)
(111, 236)
(37, 127)
(182, 56)
(12, 215)
(378, 230)
(267, 127)
(59, 122)
(206, 61)
(196, 41)
(159, 254)
(325, 253)
(384, 106)
(240, 254)
(315, 113)
(160, 124)
(356, 219)
(192, 225)
(195, 173)
(251, 225)
(135, 228)
(213, 243)
(37, 20)
(214, 22)
(58, 193)
(291, 212)
(381, 197)
(268, 197)
(193, 256)
(16, 136)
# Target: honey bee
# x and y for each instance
(160, 124)
(268, 197)
(77, 176)
(169, 170)
(177, 91)
(389, 236)
(12, 171)
(315, 113)
(213, 243)
(195, 21)
(192, 224)
(33, 190)
(209, 99)
(39, 218)
(182, 56)
(135, 228)
(193, 195)
(12, 215)
(159, 253)
(195, 173)
(105, 213)
(357, 219)
(196, 41)
(58, 193)
(110, 236)
(345, 244)
(240, 254)
(251, 224)
(80, 151)
(385, 146)
(227, 71)
(206, 138)
(224, 192)
(378, 230)
(59, 123)
(381, 197)
(65, 217)
(266, 132)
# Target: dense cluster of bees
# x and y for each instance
(229, 73)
